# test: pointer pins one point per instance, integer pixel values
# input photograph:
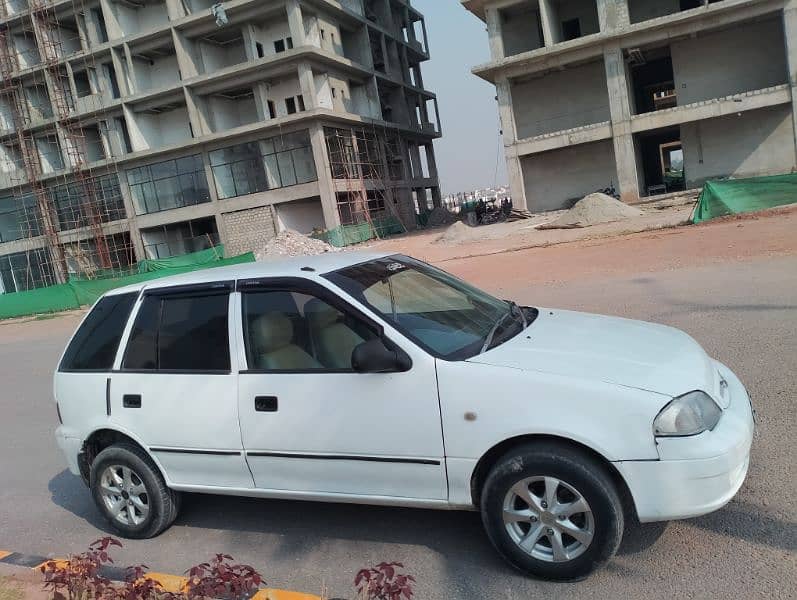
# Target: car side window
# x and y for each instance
(294, 331)
(180, 333)
(94, 345)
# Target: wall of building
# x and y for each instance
(585, 11)
(248, 230)
(520, 29)
(752, 143)
(268, 32)
(151, 131)
(642, 10)
(301, 215)
(161, 72)
(727, 62)
(561, 100)
(227, 113)
(556, 179)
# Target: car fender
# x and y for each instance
(483, 406)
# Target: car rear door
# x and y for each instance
(174, 388)
(311, 426)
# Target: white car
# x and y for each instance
(379, 379)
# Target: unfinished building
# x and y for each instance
(134, 129)
(650, 96)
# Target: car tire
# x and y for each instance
(130, 492)
(567, 491)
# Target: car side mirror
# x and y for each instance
(374, 356)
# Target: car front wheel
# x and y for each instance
(552, 511)
(130, 492)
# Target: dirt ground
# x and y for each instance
(438, 246)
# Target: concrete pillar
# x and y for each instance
(790, 34)
(620, 111)
(549, 21)
(185, 59)
(122, 79)
(307, 85)
(612, 14)
(493, 17)
(326, 185)
(295, 22)
(517, 186)
(196, 116)
(174, 9)
(112, 25)
(505, 112)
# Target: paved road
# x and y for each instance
(745, 314)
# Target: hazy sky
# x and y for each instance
(466, 154)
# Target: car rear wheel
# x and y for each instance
(130, 492)
(552, 511)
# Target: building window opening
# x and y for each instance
(652, 79)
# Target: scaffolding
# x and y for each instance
(362, 159)
(62, 204)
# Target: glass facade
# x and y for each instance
(168, 184)
(68, 201)
(19, 218)
(263, 165)
(25, 271)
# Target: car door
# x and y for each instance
(174, 389)
(310, 424)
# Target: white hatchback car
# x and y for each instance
(382, 380)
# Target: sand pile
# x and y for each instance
(456, 233)
(291, 243)
(591, 210)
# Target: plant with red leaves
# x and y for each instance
(220, 578)
(139, 587)
(384, 582)
(78, 577)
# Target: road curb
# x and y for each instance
(171, 583)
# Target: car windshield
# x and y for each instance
(446, 316)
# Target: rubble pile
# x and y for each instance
(292, 243)
(441, 216)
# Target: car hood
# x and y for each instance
(619, 351)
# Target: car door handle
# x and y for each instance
(265, 403)
(131, 401)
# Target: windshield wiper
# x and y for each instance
(514, 309)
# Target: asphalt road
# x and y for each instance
(744, 313)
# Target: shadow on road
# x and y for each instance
(456, 534)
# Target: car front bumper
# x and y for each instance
(698, 474)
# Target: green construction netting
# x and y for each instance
(732, 196)
(346, 235)
(79, 292)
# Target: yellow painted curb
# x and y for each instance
(3, 554)
(59, 563)
(170, 583)
(272, 594)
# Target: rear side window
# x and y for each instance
(93, 348)
(180, 333)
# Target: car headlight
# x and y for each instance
(689, 414)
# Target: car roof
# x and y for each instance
(270, 267)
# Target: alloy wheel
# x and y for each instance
(548, 519)
(125, 495)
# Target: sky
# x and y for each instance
(466, 154)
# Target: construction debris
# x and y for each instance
(518, 214)
(441, 216)
(292, 243)
(591, 210)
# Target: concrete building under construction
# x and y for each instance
(133, 129)
(651, 96)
